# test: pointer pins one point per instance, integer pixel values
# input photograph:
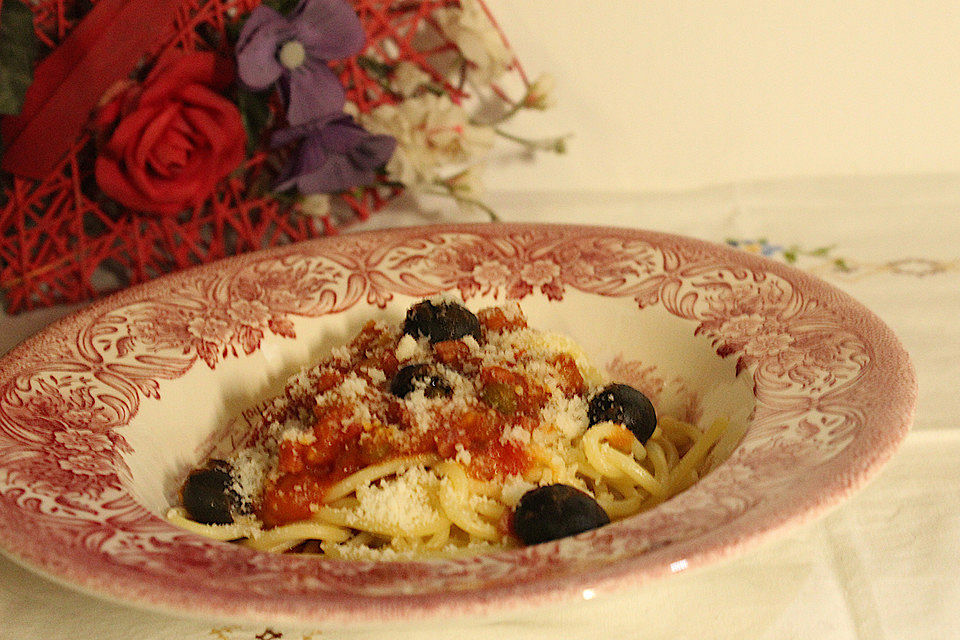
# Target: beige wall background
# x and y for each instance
(672, 95)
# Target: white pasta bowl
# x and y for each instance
(102, 414)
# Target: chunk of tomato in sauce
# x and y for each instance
(468, 430)
(477, 432)
(496, 320)
(454, 354)
(374, 347)
(569, 379)
(499, 461)
(334, 429)
(290, 498)
(529, 397)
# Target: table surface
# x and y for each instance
(881, 565)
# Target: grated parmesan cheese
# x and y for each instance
(515, 434)
(514, 486)
(566, 415)
(463, 456)
(402, 503)
(408, 348)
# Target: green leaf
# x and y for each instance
(375, 67)
(255, 114)
(282, 6)
(18, 51)
(842, 265)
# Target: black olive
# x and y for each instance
(625, 405)
(441, 321)
(419, 376)
(556, 511)
(208, 494)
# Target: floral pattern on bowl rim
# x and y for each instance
(834, 396)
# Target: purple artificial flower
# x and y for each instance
(335, 154)
(293, 50)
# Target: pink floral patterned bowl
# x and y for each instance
(104, 411)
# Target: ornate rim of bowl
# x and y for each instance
(835, 394)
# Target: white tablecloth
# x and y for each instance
(883, 565)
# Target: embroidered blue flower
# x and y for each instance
(760, 246)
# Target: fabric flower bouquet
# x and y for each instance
(157, 134)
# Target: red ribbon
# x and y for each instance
(102, 49)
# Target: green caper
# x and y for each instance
(501, 396)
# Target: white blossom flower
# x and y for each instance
(471, 29)
(540, 94)
(434, 137)
(409, 78)
(315, 204)
(466, 188)
(466, 184)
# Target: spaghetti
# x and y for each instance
(424, 439)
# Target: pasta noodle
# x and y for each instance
(402, 444)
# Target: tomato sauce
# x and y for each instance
(351, 433)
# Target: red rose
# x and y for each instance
(176, 136)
